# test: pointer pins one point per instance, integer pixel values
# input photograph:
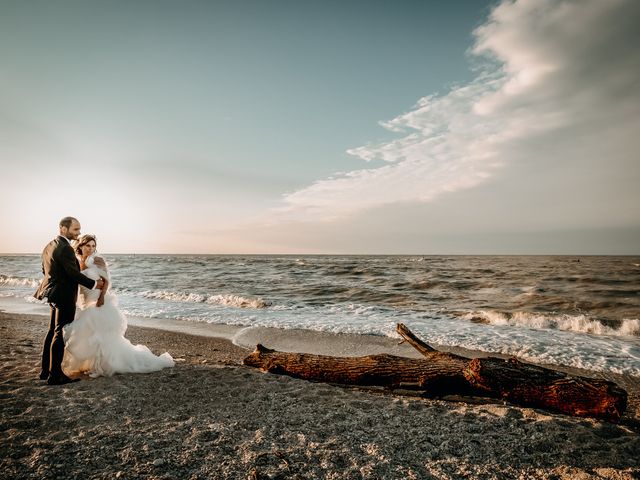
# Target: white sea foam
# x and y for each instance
(228, 300)
(166, 295)
(237, 301)
(571, 323)
(32, 299)
(8, 281)
(414, 259)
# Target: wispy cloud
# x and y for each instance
(545, 68)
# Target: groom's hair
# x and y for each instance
(67, 221)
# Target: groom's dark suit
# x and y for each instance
(60, 286)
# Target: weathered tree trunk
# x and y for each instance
(442, 373)
(381, 370)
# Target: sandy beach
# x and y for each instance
(211, 417)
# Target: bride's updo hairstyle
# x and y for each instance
(83, 240)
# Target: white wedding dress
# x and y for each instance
(95, 342)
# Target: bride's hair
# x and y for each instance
(83, 240)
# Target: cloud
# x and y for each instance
(546, 70)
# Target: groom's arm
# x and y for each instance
(67, 261)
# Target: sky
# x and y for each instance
(322, 127)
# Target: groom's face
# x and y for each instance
(73, 232)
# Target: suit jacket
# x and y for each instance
(61, 274)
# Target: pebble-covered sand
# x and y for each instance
(210, 417)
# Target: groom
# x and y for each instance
(60, 286)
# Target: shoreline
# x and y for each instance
(286, 340)
(309, 341)
(210, 417)
(522, 327)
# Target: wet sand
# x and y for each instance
(210, 417)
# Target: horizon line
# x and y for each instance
(364, 254)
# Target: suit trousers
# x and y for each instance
(53, 349)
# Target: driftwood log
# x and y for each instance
(441, 374)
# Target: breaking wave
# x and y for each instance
(6, 280)
(227, 300)
(566, 322)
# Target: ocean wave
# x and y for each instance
(167, 295)
(8, 281)
(32, 299)
(570, 323)
(237, 301)
(227, 300)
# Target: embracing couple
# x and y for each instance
(95, 342)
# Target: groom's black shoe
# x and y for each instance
(44, 375)
(60, 380)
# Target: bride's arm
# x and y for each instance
(103, 292)
(102, 266)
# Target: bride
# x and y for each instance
(95, 341)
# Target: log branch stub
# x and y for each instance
(412, 340)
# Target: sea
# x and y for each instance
(581, 312)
